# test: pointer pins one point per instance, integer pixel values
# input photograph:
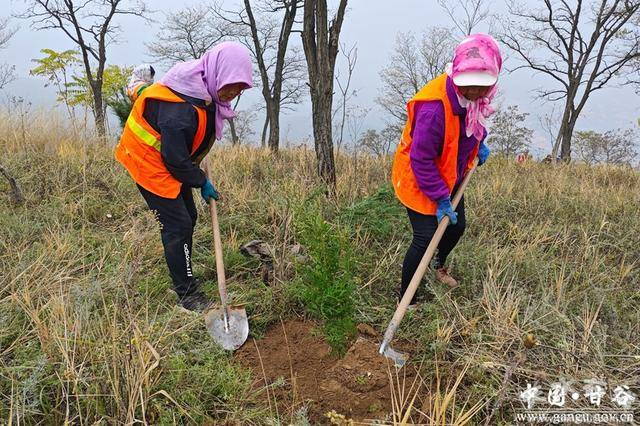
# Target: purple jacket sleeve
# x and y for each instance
(428, 139)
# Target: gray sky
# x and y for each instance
(372, 24)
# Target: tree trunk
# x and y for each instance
(274, 126)
(234, 135)
(320, 40)
(322, 132)
(272, 92)
(343, 120)
(98, 111)
(556, 147)
(566, 117)
(567, 135)
(265, 128)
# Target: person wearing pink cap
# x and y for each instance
(171, 128)
(445, 131)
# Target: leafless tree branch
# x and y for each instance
(582, 45)
(265, 27)
(413, 63)
(7, 72)
(466, 14)
(189, 33)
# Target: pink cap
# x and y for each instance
(477, 61)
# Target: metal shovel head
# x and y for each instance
(399, 359)
(238, 331)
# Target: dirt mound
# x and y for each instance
(294, 368)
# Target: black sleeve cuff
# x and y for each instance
(201, 182)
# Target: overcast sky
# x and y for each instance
(371, 24)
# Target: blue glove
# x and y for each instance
(483, 153)
(208, 192)
(445, 208)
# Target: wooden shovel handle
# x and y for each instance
(217, 242)
(424, 263)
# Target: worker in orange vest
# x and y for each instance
(171, 128)
(444, 132)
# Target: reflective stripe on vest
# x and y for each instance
(139, 150)
(404, 181)
(145, 136)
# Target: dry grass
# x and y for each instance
(88, 332)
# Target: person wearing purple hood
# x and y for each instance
(172, 126)
(444, 133)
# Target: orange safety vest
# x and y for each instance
(402, 176)
(139, 147)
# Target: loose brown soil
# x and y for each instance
(296, 363)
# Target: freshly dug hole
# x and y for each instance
(299, 371)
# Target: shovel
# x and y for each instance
(228, 325)
(400, 358)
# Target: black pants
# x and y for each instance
(424, 226)
(177, 219)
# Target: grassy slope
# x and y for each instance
(88, 329)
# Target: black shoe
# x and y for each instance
(196, 302)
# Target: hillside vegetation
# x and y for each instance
(89, 331)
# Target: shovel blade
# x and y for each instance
(237, 332)
(399, 359)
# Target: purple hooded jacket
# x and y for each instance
(428, 140)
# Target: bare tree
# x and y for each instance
(7, 76)
(466, 14)
(188, 34)
(635, 80)
(356, 116)
(550, 123)
(351, 56)
(5, 32)
(293, 85)
(379, 143)
(7, 72)
(91, 26)
(370, 141)
(320, 39)
(243, 125)
(553, 42)
(390, 137)
(267, 33)
(634, 76)
(618, 147)
(413, 63)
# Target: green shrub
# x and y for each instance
(121, 106)
(325, 282)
